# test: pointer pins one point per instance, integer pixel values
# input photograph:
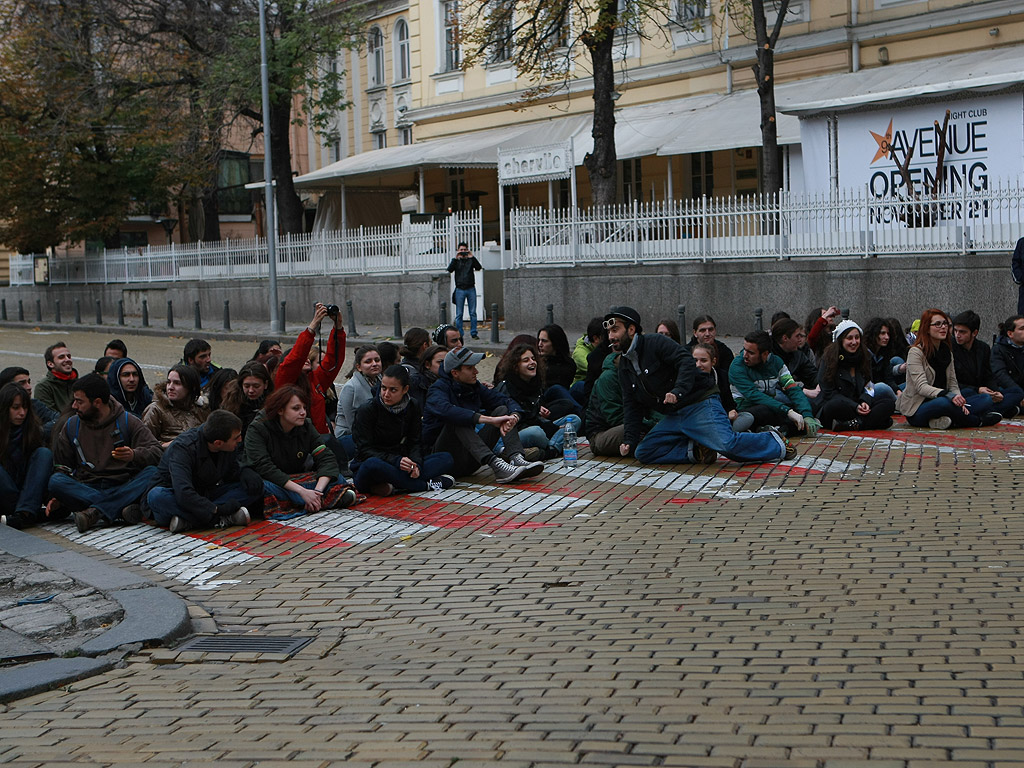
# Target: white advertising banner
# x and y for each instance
(527, 164)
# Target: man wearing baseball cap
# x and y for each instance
(456, 403)
(658, 374)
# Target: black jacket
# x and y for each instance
(974, 366)
(1017, 263)
(1007, 364)
(463, 269)
(276, 454)
(559, 371)
(848, 386)
(449, 402)
(800, 364)
(381, 433)
(196, 474)
(664, 367)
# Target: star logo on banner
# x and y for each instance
(884, 144)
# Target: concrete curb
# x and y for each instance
(153, 615)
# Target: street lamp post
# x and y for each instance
(268, 191)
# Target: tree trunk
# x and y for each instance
(289, 206)
(764, 74)
(601, 163)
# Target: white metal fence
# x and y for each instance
(377, 250)
(770, 227)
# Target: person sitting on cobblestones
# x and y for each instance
(128, 385)
(25, 462)
(972, 359)
(431, 361)
(105, 458)
(849, 399)
(199, 355)
(249, 394)
(288, 452)
(363, 379)
(223, 381)
(888, 370)
(705, 331)
(932, 397)
(704, 357)
(788, 339)
(1008, 354)
(447, 336)
(456, 404)
(559, 366)
(586, 344)
(604, 428)
(316, 380)
(54, 391)
(819, 330)
(200, 483)
(102, 365)
(175, 407)
(116, 349)
(46, 415)
(671, 329)
(414, 343)
(387, 432)
(765, 391)
(656, 374)
(267, 349)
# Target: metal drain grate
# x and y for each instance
(246, 644)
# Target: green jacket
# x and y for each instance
(760, 385)
(276, 455)
(579, 356)
(53, 392)
(605, 408)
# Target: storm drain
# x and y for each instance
(245, 644)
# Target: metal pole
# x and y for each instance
(120, 311)
(551, 314)
(398, 319)
(227, 315)
(494, 323)
(681, 319)
(351, 318)
(78, 311)
(198, 324)
(56, 311)
(268, 192)
(99, 313)
(170, 314)
(145, 313)
(758, 319)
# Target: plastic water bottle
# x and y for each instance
(569, 451)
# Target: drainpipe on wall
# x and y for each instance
(854, 44)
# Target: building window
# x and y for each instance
(375, 56)
(501, 47)
(702, 174)
(457, 188)
(632, 181)
(403, 69)
(406, 134)
(380, 139)
(452, 54)
(334, 148)
(688, 13)
(232, 176)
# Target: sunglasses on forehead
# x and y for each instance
(610, 323)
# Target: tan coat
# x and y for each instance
(167, 422)
(920, 378)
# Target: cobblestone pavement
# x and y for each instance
(857, 606)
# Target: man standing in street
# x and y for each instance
(658, 374)
(54, 391)
(463, 266)
(1017, 269)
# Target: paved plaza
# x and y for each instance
(859, 605)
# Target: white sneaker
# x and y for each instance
(943, 422)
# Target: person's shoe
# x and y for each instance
(179, 525)
(942, 422)
(533, 454)
(991, 418)
(504, 472)
(14, 520)
(530, 468)
(852, 425)
(86, 519)
(382, 489)
(474, 336)
(348, 498)
(440, 483)
(888, 423)
(702, 454)
(132, 514)
(790, 448)
(744, 421)
(241, 517)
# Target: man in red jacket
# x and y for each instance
(297, 366)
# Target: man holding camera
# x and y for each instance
(463, 266)
(304, 367)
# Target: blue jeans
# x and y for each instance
(106, 496)
(536, 437)
(29, 497)
(462, 297)
(706, 423)
(883, 390)
(282, 494)
(375, 471)
(164, 506)
(937, 407)
(1011, 399)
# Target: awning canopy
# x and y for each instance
(938, 77)
(678, 126)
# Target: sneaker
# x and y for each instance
(530, 468)
(991, 418)
(744, 421)
(15, 520)
(440, 483)
(852, 425)
(381, 489)
(241, 517)
(532, 454)
(348, 498)
(790, 448)
(132, 514)
(943, 422)
(702, 454)
(87, 518)
(504, 472)
(1014, 413)
(178, 525)
(474, 336)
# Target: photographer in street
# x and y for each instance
(463, 266)
(314, 370)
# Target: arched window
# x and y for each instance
(403, 70)
(375, 56)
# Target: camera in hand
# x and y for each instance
(332, 311)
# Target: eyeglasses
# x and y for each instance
(941, 324)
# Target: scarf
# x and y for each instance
(398, 407)
(64, 376)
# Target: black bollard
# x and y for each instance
(227, 315)
(681, 320)
(845, 313)
(56, 312)
(442, 313)
(198, 321)
(351, 318)
(758, 319)
(78, 311)
(494, 323)
(145, 313)
(551, 314)
(3, 309)
(99, 313)
(398, 319)
(120, 311)
(170, 313)
(39, 310)
(281, 314)
(21, 310)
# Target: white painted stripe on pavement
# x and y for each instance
(510, 499)
(357, 527)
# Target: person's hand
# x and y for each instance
(903, 368)
(863, 409)
(415, 471)
(813, 393)
(52, 508)
(959, 400)
(508, 423)
(733, 414)
(319, 313)
(997, 397)
(830, 313)
(796, 418)
(408, 466)
(312, 498)
(544, 412)
(124, 453)
(625, 448)
(670, 399)
(811, 426)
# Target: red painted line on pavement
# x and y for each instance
(439, 515)
(963, 438)
(268, 532)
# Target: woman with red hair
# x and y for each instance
(932, 397)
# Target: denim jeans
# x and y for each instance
(536, 437)
(1011, 399)
(937, 407)
(29, 497)
(164, 506)
(462, 297)
(106, 496)
(283, 494)
(706, 422)
(375, 471)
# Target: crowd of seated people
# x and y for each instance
(209, 446)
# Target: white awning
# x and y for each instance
(939, 77)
